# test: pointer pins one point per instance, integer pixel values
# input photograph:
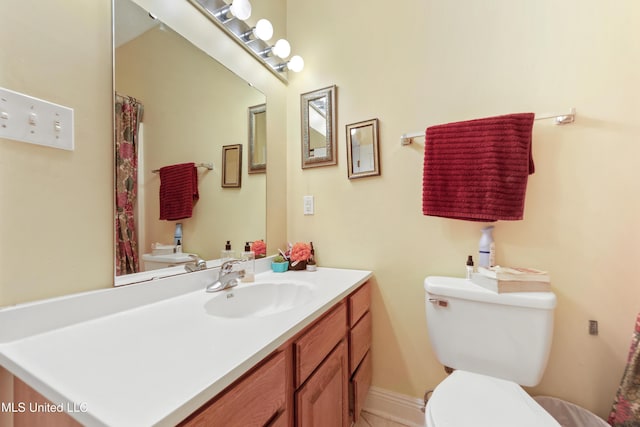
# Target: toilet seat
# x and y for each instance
(466, 399)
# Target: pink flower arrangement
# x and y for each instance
(300, 252)
(259, 248)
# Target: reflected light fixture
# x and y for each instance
(262, 31)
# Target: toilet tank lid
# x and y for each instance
(457, 287)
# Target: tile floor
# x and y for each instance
(369, 420)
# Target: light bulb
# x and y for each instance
(263, 30)
(241, 9)
(296, 63)
(281, 49)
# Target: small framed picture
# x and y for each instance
(232, 166)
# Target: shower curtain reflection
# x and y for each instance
(128, 115)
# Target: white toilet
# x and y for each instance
(495, 343)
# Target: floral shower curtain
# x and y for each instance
(128, 115)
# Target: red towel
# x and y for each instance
(178, 191)
(477, 170)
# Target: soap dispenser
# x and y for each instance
(249, 263)
(227, 253)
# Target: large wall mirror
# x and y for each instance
(318, 117)
(190, 107)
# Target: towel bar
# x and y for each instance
(198, 165)
(561, 119)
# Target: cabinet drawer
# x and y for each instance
(312, 347)
(360, 383)
(255, 400)
(359, 303)
(359, 341)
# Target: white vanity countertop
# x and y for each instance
(150, 354)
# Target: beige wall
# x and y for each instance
(421, 63)
(56, 205)
(208, 108)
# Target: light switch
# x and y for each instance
(28, 119)
(308, 205)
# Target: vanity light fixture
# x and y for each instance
(295, 64)
(282, 49)
(262, 31)
(240, 9)
(231, 18)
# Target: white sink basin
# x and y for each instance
(259, 299)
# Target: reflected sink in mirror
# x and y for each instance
(259, 299)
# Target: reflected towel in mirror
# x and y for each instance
(178, 191)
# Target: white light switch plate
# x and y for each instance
(28, 119)
(308, 205)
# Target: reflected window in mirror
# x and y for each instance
(363, 158)
(318, 119)
(258, 139)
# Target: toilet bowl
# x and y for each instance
(496, 343)
(469, 399)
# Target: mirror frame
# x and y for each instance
(373, 124)
(232, 179)
(254, 166)
(306, 102)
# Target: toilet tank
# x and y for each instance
(504, 335)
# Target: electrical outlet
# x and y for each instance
(593, 327)
(308, 205)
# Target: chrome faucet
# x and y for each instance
(197, 265)
(227, 278)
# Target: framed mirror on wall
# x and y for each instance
(232, 166)
(363, 158)
(318, 119)
(258, 138)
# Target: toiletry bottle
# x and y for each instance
(227, 253)
(249, 263)
(469, 267)
(487, 249)
(311, 262)
(177, 237)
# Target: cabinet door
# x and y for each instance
(324, 400)
(361, 382)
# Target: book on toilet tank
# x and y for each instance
(511, 279)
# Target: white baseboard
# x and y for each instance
(395, 407)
